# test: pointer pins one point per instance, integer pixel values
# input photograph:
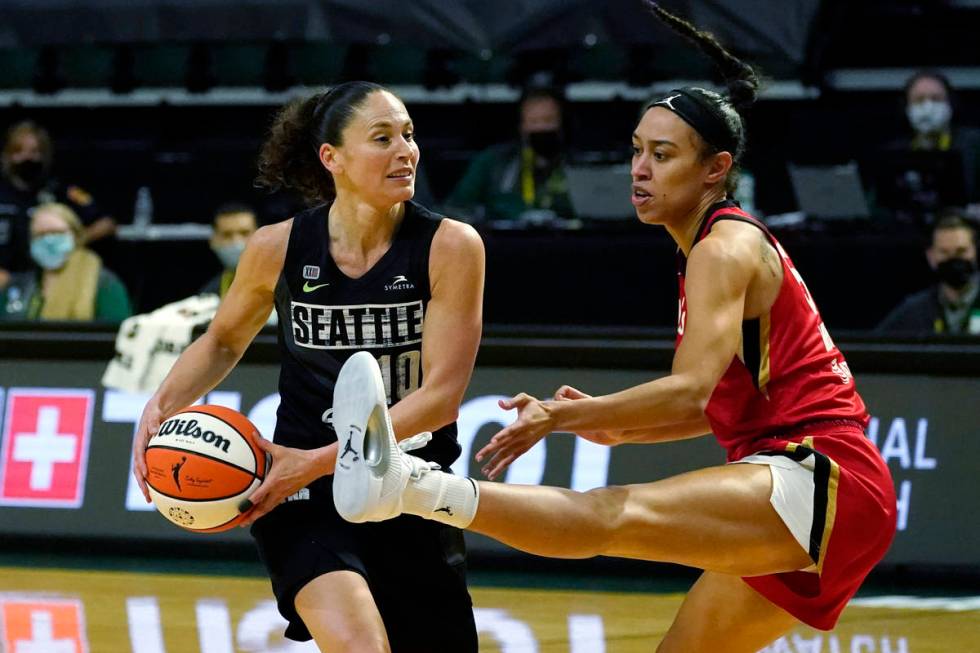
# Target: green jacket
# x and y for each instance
(492, 187)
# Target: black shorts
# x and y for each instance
(416, 570)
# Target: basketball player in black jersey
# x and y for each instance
(365, 270)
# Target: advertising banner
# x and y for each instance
(65, 461)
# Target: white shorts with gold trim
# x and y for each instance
(792, 493)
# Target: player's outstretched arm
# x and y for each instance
(666, 433)
(207, 361)
(719, 271)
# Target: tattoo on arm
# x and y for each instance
(768, 257)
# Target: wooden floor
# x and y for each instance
(72, 611)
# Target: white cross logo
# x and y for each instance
(45, 448)
(42, 636)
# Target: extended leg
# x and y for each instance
(717, 519)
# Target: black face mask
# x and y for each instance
(956, 272)
(30, 171)
(546, 144)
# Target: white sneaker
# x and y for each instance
(372, 471)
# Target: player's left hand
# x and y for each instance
(534, 421)
(291, 470)
(607, 437)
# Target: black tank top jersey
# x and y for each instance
(325, 317)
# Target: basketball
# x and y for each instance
(201, 464)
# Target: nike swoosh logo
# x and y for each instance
(308, 288)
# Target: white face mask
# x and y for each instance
(929, 116)
(229, 253)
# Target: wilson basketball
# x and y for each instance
(201, 464)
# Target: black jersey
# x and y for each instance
(325, 317)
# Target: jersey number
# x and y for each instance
(401, 374)
(824, 334)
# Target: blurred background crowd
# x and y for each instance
(130, 135)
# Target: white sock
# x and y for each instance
(442, 497)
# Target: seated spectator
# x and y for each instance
(952, 306)
(938, 164)
(25, 181)
(143, 360)
(233, 225)
(68, 281)
(523, 178)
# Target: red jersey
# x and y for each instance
(789, 392)
(788, 372)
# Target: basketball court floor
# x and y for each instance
(90, 606)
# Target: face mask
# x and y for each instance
(50, 251)
(956, 272)
(30, 171)
(230, 253)
(929, 116)
(546, 144)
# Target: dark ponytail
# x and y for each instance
(716, 118)
(740, 79)
(290, 156)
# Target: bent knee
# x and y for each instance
(352, 640)
(631, 520)
(364, 643)
(609, 503)
(348, 632)
(615, 513)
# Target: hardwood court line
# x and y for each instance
(957, 604)
(183, 612)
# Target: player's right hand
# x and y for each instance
(534, 422)
(148, 427)
(568, 393)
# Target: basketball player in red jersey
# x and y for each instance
(785, 535)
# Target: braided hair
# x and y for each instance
(717, 118)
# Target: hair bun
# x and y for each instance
(742, 93)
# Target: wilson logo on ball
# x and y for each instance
(191, 429)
